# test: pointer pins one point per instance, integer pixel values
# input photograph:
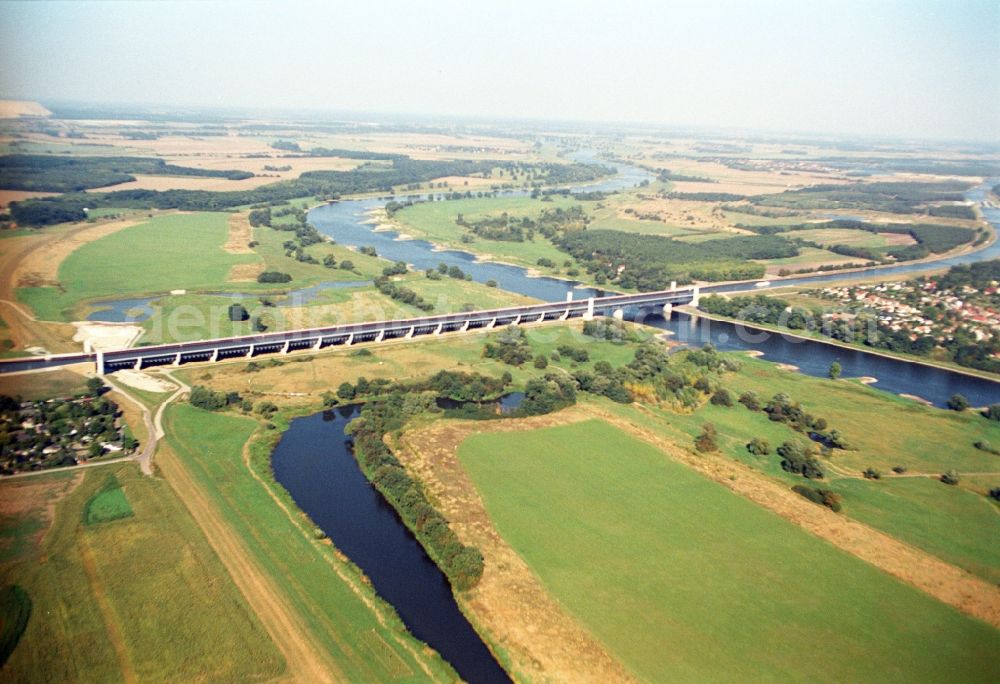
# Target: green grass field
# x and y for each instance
(883, 431)
(841, 236)
(211, 447)
(176, 251)
(957, 525)
(435, 221)
(150, 585)
(683, 580)
(108, 504)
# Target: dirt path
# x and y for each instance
(144, 457)
(305, 659)
(240, 234)
(79, 466)
(111, 627)
(542, 640)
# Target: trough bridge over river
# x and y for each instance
(354, 333)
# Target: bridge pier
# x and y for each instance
(319, 343)
(492, 324)
(138, 364)
(565, 315)
(437, 330)
(589, 315)
(215, 355)
(100, 362)
(695, 296)
(409, 335)
(619, 314)
(380, 336)
(465, 327)
(350, 340)
(287, 347)
(250, 352)
(540, 318)
(668, 310)
(673, 285)
(177, 360)
(517, 320)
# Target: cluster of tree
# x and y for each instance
(705, 196)
(511, 347)
(401, 294)
(666, 175)
(823, 497)
(799, 459)
(891, 197)
(274, 277)
(463, 565)
(978, 275)
(328, 184)
(260, 217)
(51, 173)
(550, 223)
(651, 262)
(576, 354)
(209, 400)
(444, 269)
(930, 237)
(610, 329)
(781, 409)
(544, 395)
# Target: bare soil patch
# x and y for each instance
(544, 642)
(186, 183)
(40, 266)
(12, 109)
(8, 196)
(106, 336)
(245, 273)
(240, 234)
(144, 381)
(34, 497)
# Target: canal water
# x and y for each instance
(313, 461)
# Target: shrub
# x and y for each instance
(823, 497)
(541, 361)
(995, 493)
(759, 447)
(238, 312)
(957, 402)
(750, 400)
(722, 397)
(872, 474)
(949, 478)
(707, 440)
(983, 445)
(992, 412)
(899, 470)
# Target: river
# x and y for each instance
(313, 461)
(346, 222)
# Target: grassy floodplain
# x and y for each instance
(327, 593)
(682, 579)
(94, 587)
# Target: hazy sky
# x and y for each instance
(918, 68)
